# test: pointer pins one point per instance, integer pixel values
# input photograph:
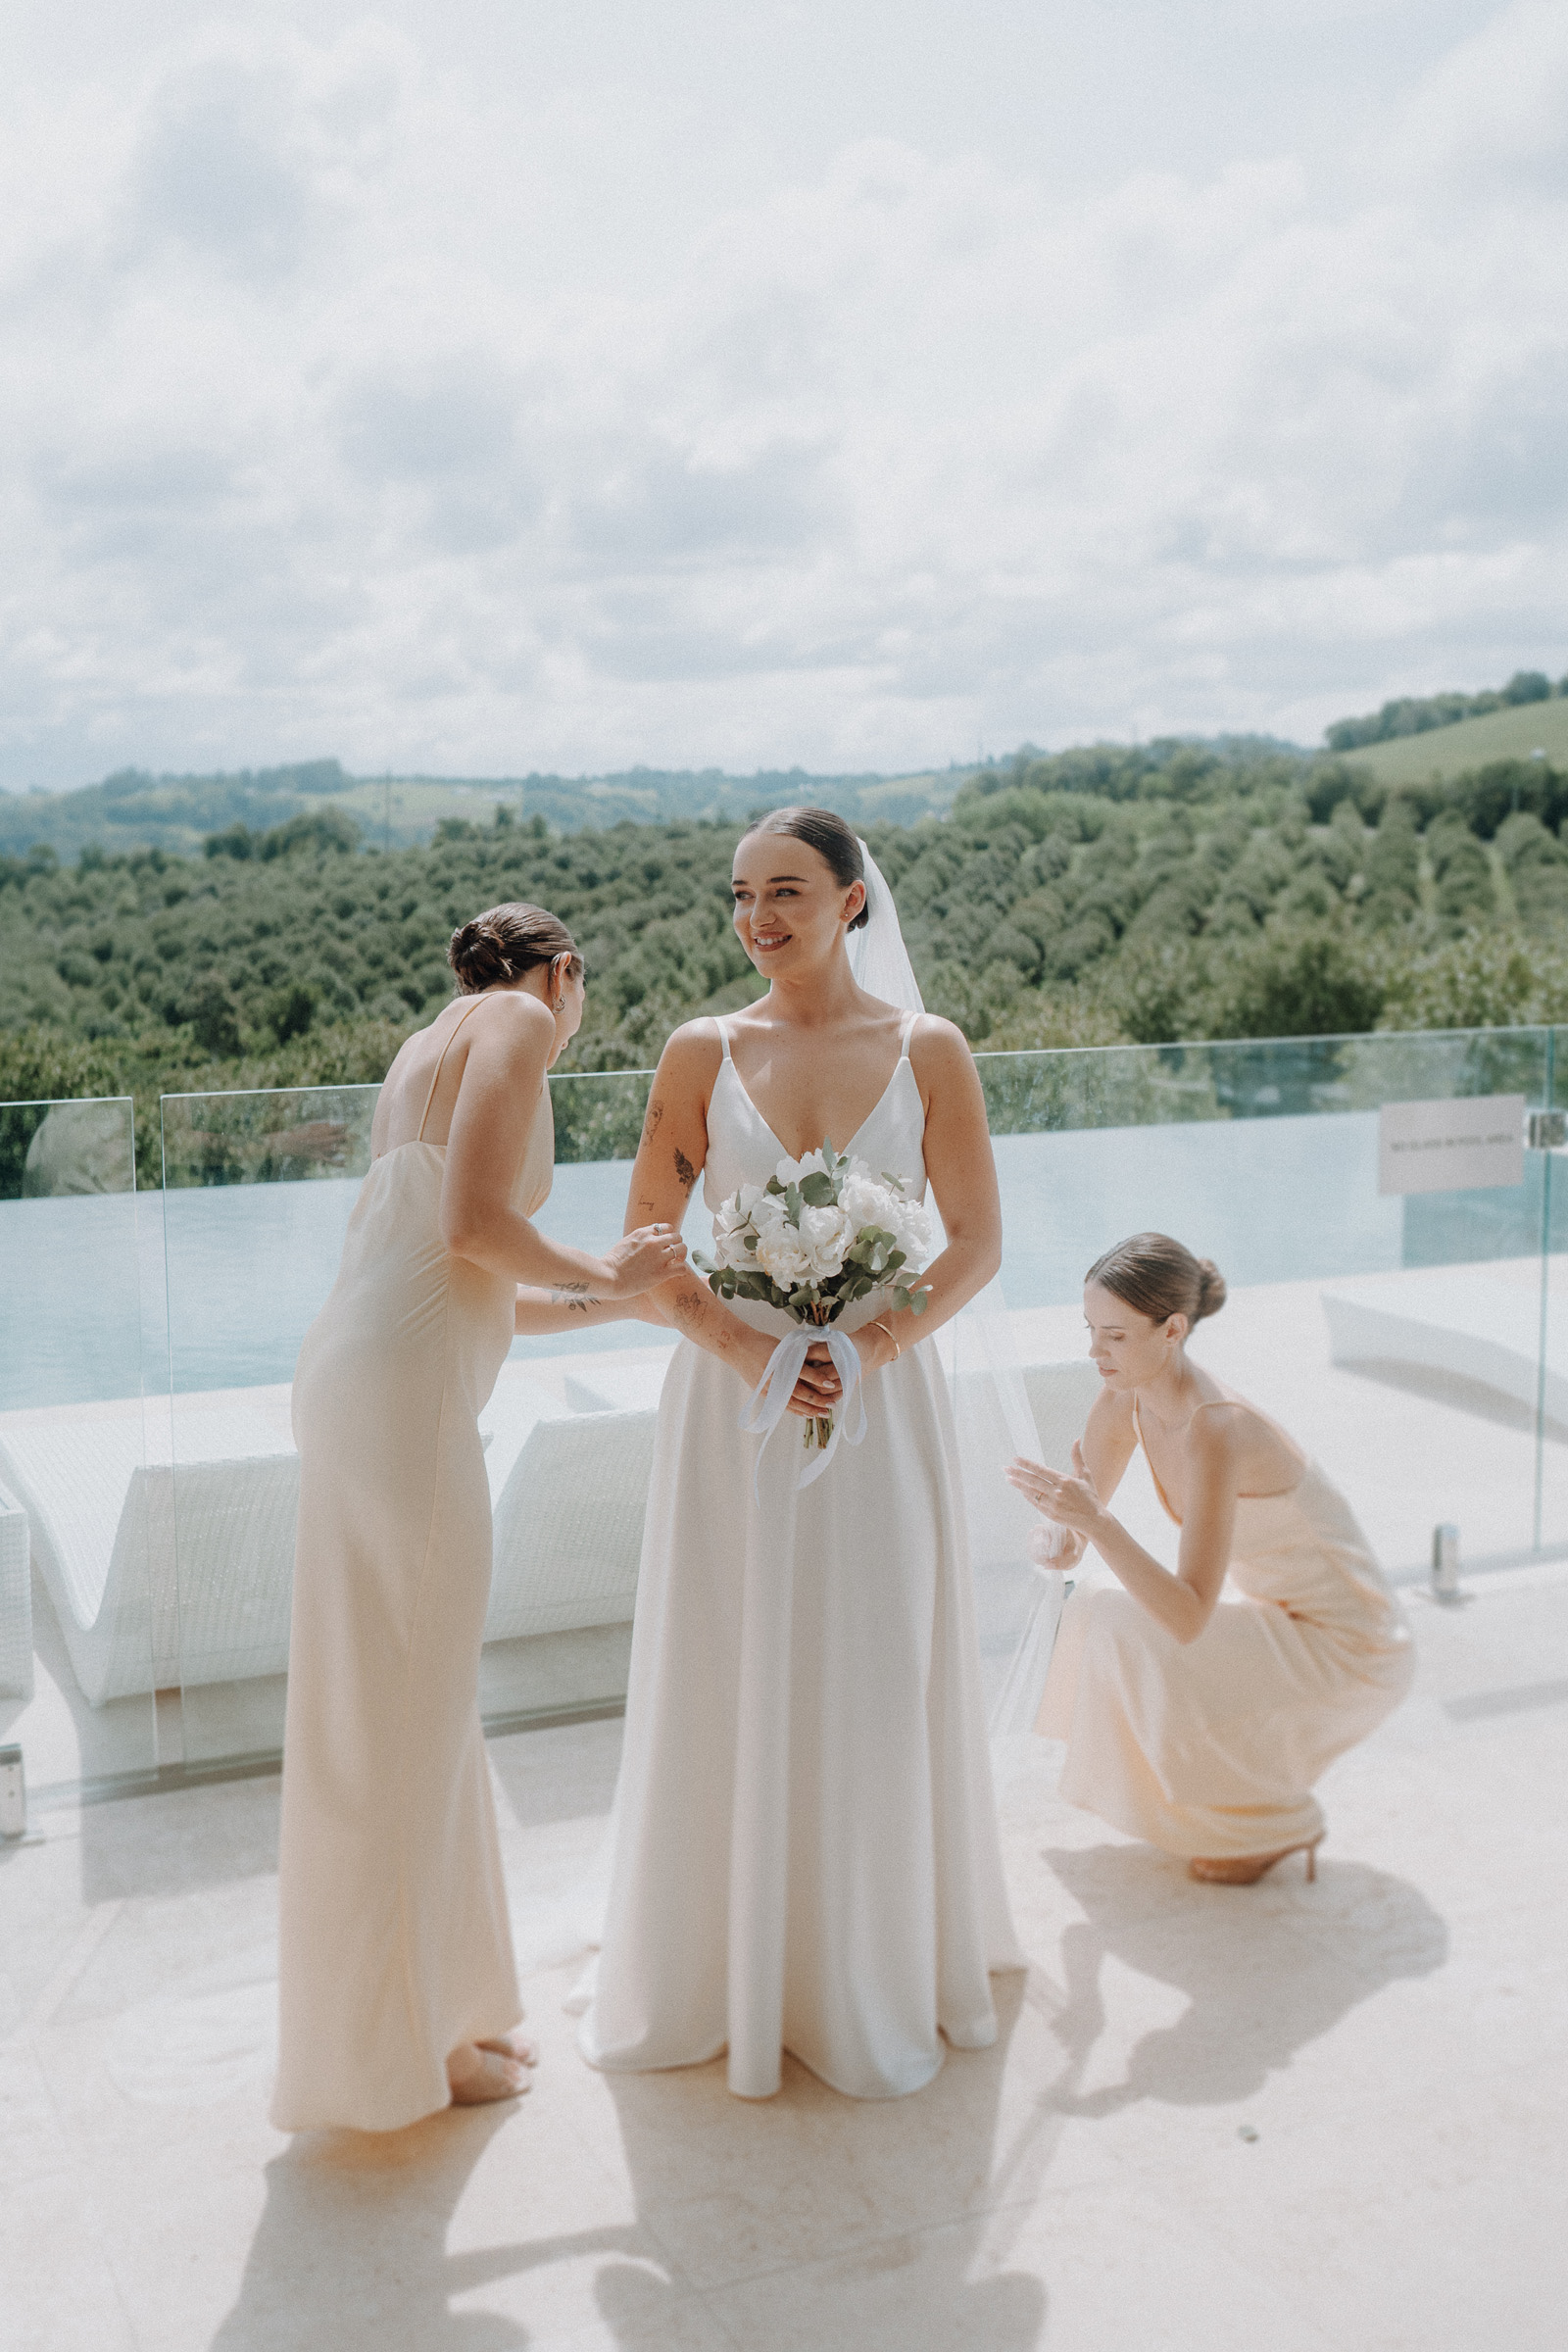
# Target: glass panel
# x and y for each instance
(258, 1190)
(256, 1193)
(86, 1632)
(1552, 1465)
(569, 1440)
(1396, 1336)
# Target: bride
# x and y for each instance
(807, 1854)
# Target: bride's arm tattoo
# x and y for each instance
(573, 1296)
(684, 1170)
(656, 1112)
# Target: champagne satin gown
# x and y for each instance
(1213, 1748)
(806, 1852)
(394, 1942)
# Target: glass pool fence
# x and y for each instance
(1384, 1211)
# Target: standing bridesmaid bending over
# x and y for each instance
(399, 1991)
(1197, 1724)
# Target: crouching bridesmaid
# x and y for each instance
(1200, 1724)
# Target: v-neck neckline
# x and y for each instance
(754, 1107)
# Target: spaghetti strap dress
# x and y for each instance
(394, 1940)
(807, 1854)
(1213, 1748)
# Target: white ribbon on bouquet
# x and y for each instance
(769, 1401)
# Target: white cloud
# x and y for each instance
(329, 426)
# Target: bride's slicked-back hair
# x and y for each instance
(505, 942)
(828, 835)
(1157, 1277)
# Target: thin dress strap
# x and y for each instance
(435, 1079)
(722, 1026)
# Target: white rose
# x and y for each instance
(825, 1232)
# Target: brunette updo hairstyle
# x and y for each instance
(828, 835)
(504, 943)
(1156, 1277)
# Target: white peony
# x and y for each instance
(867, 1201)
(796, 1171)
(863, 1200)
(732, 1221)
(912, 1226)
(780, 1254)
(826, 1233)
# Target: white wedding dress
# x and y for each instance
(807, 1855)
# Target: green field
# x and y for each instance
(1445, 753)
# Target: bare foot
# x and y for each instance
(513, 2045)
(478, 2077)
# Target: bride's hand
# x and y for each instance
(818, 1389)
(1073, 1503)
(640, 1263)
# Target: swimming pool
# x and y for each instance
(215, 1285)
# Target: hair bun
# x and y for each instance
(497, 947)
(477, 957)
(1211, 1291)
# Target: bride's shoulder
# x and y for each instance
(694, 1049)
(938, 1047)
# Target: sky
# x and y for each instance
(507, 385)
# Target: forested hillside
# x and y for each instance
(1090, 897)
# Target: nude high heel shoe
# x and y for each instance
(1244, 1870)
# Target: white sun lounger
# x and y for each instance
(568, 1491)
(167, 1573)
(16, 1600)
(160, 1575)
(1477, 1327)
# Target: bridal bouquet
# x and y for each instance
(820, 1233)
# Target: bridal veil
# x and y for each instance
(1017, 1602)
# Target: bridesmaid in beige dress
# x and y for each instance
(1197, 1724)
(399, 1990)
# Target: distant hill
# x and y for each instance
(1444, 754)
(174, 814)
(1413, 743)
(1423, 714)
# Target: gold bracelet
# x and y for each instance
(879, 1325)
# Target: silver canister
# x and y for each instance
(1445, 1563)
(13, 1794)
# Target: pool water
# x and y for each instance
(214, 1287)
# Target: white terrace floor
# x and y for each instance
(1278, 2119)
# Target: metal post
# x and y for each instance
(1551, 1131)
(13, 1794)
